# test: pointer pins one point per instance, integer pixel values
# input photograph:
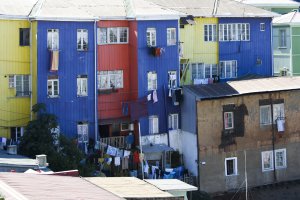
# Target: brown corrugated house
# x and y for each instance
(244, 127)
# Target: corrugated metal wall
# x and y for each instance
(69, 108)
(114, 57)
(247, 52)
(14, 59)
(296, 50)
(166, 62)
(195, 48)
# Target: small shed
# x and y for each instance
(173, 186)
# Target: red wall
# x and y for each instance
(117, 57)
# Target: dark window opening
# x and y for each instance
(24, 36)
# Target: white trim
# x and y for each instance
(232, 121)
(235, 170)
(272, 160)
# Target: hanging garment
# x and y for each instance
(120, 153)
(155, 99)
(117, 161)
(136, 158)
(54, 60)
(100, 160)
(126, 153)
(149, 97)
(125, 163)
(141, 157)
(111, 150)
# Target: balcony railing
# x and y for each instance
(118, 142)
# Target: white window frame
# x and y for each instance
(113, 79)
(19, 130)
(226, 125)
(103, 35)
(152, 80)
(282, 38)
(83, 132)
(210, 32)
(278, 112)
(50, 82)
(173, 121)
(234, 32)
(82, 40)
(151, 37)
(268, 114)
(270, 153)
(171, 36)
(82, 86)
(123, 128)
(153, 124)
(228, 63)
(172, 79)
(235, 169)
(262, 26)
(20, 86)
(11, 81)
(53, 39)
(267, 156)
(198, 68)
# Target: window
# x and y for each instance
(124, 126)
(201, 71)
(16, 133)
(114, 35)
(282, 38)
(228, 69)
(82, 39)
(24, 36)
(231, 166)
(228, 120)
(234, 32)
(173, 121)
(53, 39)
(171, 36)
(153, 125)
(151, 37)
(265, 113)
(262, 26)
(82, 85)
(82, 130)
(152, 80)
(53, 86)
(172, 79)
(267, 159)
(210, 32)
(21, 83)
(110, 79)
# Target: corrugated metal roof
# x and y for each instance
(292, 18)
(171, 185)
(212, 8)
(128, 187)
(272, 3)
(16, 8)
(36, 187)
(235, 88)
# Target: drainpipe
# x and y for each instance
(31, 77)
(198, 148)
(273, 138)
(272, 51)
(95, 84)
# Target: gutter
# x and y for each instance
(95, 82)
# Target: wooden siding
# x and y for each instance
(168, 61)
(14, 59)
(114, 57)
(68, 107)
(195, 49)
(247, 52)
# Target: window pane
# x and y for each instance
(103, 35)
(123, 32)
(230, 167)
(113, 32)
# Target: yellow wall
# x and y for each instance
(34, 62)
(14, 59)
(195, 49)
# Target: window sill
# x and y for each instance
(82, 50)
(82, 96)
(282, 47)
(53, 97)
(107, 91)
(231, 175)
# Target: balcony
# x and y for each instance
(118, 142)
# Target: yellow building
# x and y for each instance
(199, 49)
(15, 77)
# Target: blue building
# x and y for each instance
(245, 47)
(158, 74)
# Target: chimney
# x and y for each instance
(42, 160)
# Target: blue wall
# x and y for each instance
(246, 52)
(69, 108)
(168, 61)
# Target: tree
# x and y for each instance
(38, 138)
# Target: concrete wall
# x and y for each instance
(256, 138)
(189, 151)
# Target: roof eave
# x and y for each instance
(64, 19)
(14, 17)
